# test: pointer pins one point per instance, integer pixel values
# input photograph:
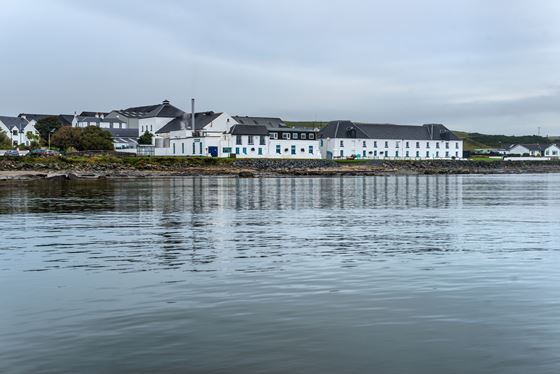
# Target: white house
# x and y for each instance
(533, 150)
(149, 118)
(18, 129)
(553, 151)
(99, 121)
(341, 139)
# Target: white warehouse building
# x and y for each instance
(343, 139)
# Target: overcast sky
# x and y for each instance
(477, 65)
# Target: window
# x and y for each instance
(238, 140)
(342, 143)
(428, 145)
(173, 148)
(407, 154)
(286, 136)
(15, 132)
(310, 149)
(293, 149)
(295, 135)
(151, 128)
(251, 140)
(182, 148)
(447, 154)
(397, 144)
(417, 144)
(226, 150)
(303, 136)
(456, 154)
(407, 145)
(396, 153)
(260, 152)
(375, 144)
(386, 144)
(375, 153)
(341, 153)
(457, 145)
(321, 142)
(311, 136)
(278, 150)
(193, 148)
(236, 150)
(437, 154)
(437, 145)
(262, 140)
(447, 145)
(244, 150)
(417, 153)
(273, 135)
(364, 144)
(428, 154)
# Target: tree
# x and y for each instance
(146, 138)
(5, 141)
(91, 138)
(34, 139)
(67, 137)
(96, 139)
(48, 125)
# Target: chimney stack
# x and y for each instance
(192, 115)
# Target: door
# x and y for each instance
(213, 151)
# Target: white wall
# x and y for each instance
(391, 148)
(552, 151)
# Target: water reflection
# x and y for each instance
(428, 274)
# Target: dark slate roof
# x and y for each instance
(36, 117)
(349, 129)
(291, 129)
(98, 120)
(123, 133)
(92, 114)
(10, 122)
(66, 119)
(269, 122)
(201, 120)
(248, 130)
(532, 147)
(165, 110)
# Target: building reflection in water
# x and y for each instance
(195, 222)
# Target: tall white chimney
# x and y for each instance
(192, 115)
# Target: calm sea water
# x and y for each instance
(419, 274)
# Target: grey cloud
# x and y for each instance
(381, 61)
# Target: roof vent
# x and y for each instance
(165, 102)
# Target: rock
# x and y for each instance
(72, 177)
(246, 174)
(55, 177)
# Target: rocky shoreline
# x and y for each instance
(70, 169)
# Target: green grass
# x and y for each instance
(485, 159)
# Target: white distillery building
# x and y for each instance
(17, 129)
(221, 135)
(150, 118)
(342, 139)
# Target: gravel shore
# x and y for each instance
(64, 170)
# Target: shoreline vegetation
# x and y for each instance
(109, 166)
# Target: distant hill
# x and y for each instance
(476, 140)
